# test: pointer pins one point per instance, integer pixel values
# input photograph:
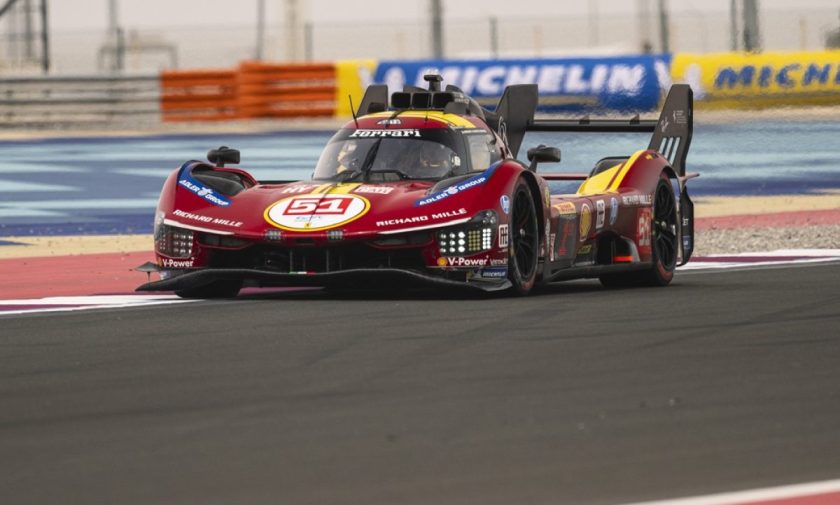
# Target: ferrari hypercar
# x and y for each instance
(424, 188)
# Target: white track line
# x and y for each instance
(755, 496)
(75, 303)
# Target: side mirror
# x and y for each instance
(542, 154)
(223, 155)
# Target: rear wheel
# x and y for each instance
(217, 289)
(663, 240)
(524, 244)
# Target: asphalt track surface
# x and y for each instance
(723, 381)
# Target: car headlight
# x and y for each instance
(173, 241)
(473, 237)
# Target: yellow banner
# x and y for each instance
(352, 77)
(761, 80)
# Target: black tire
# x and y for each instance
(217, 289)
(664, 243)
(523, 250)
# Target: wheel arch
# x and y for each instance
(534, 188)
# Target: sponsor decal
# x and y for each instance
(504, 202)
(636, 200)
(298, 188)
(601, 214)
(551, 246)
(366, 189)
(207, 219)
(643, 230)
(585, 221)
(385, 133)
(543, 244)
(663, 124)
(621, 82)
(613, 210)
(470, 183)
(422, 218)
(170, 263)
(492, 273)
(566, 209)
(504, 236)
(402, 220)
(773, 77)
(389, 121)
(202, 191)
(449, 213)
(567, 239)
(316, 212)
(585, 249)
(460, 261)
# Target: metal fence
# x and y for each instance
(53, 101)
(691, 30)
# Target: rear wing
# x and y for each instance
(514, 115)
(671, 132)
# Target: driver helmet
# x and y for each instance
(435, 157)
(345, 158)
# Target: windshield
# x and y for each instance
(392, 154)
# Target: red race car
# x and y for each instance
(424, 188)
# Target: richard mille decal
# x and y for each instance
(207, 219)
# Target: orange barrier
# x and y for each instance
(286, 90)
(198, 95)
(253, 90)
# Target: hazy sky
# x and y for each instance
(93, 14)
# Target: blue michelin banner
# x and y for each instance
(629, 83)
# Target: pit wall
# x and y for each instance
(577, 85)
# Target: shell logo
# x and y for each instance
(585, 221)
(316, 212)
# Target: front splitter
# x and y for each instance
(363, 278)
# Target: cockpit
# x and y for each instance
(394, 154)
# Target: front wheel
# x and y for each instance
(524, 244)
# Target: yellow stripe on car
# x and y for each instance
(609, 180)
(344, 189)
(451, 119)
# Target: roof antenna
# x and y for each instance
(353, 110)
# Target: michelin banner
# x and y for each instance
(631, 83)
(773, 79)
